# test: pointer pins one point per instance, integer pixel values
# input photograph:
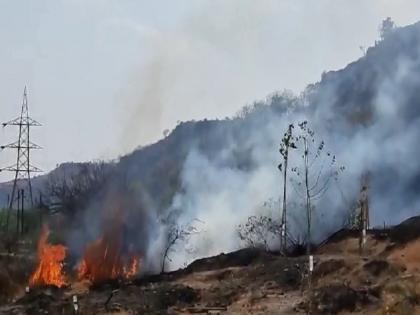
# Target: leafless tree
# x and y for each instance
(258, 231)
(69, 193)
(287, 142)
(175, 234)
(350, 217)
(350, 212)
(314, 175)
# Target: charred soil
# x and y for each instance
(381, 279)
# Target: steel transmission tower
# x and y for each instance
(23, 145)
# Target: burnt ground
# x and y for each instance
(383, 279)
(237, 282)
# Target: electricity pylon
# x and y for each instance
(23, 145)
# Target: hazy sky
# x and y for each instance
(106, 76)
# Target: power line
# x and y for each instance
(22, 168)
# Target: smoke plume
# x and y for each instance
(368, 116)
(217, 173)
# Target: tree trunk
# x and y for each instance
(308, 198)
(165, 255)
(283, 237)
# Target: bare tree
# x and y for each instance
(350, 217)
(350, 212)
(258, 231)
(70, 193)
(357, 215)
(313, 177)
(287, 142)
(176, 234)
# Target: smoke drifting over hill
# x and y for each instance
(368, 115)
(219, 172)
(222, 54)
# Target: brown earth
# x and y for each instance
(384, 278)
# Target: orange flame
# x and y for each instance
(131, 270)
(50, 263)
(104, 259)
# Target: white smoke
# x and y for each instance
(368, 116)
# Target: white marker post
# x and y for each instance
(364, 236)
(75, 305)
(311, 263)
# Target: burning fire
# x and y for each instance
(50, 263)
(103, 260)
(107, 258)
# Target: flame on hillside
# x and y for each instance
(50, 263)
(105, 258)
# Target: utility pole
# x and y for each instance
(23, 146)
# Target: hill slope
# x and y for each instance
(382, 279)
(368, 114)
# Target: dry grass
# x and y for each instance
(401, 296)
(408, 256)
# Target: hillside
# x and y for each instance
(368, 113)
(382, 279)
(160, 232)
(350, 94)
(39, 183)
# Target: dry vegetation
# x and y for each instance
(383, 280)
